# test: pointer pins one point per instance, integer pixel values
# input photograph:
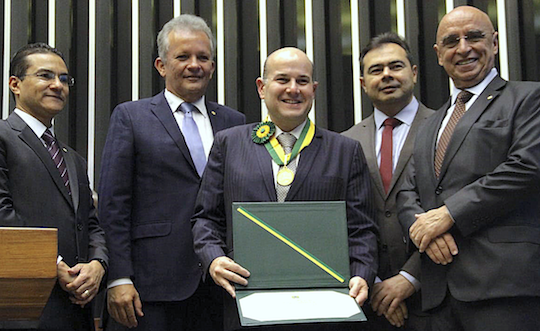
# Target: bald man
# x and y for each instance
(331, 168)
(471, 202)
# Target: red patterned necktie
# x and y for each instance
(56, 155)
(462, 98)
(386, 167)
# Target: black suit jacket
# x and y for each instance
(331, 168)
(148, 187)
(33, 194)
(490, 182)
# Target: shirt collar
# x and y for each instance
(34, 124)
(406, 115)
(295, 132)
(478, 88)
(175, 102)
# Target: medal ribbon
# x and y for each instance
(278, 154)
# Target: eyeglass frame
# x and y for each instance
(482, 35)
(49, 76)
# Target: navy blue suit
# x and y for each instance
(331, 168)
(147, 191)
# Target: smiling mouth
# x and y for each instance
(465, 62)
(389, 88)
(292, 102)
(56, 97)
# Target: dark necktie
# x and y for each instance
(386, 168)
(192, 137)
(287, 141)
(56, 155)
(462, 98)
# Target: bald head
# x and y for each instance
(466, 45)
(290, 53)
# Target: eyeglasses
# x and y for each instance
(48, 76)
(472, 37)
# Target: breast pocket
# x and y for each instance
(148, 230)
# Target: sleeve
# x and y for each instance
(209, 225)
(116, 192)
(8, 216)
(361, 214)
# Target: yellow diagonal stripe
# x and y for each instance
(291, 244)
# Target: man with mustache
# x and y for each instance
(153, 160)
(472, 196)
(387, 138)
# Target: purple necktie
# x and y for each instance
(56, 155)
(192, 137)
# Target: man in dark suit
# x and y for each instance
(152, 162)
(43, 183)
(388, 78)
(472, 197)
(330, 167)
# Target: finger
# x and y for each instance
(138, 306)
(399, 317)
(446, 255)
(451, 243)
(383, 307)
(392, 318)
(433, 255)
(376, 301)
(393, 306)
(234, 277)
(362, 295)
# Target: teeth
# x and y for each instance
(291, 101)
(466, 61)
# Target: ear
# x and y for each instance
(414, 69)
(160, 66)
(363, 83)
(439, 55)
(14, 85)
(495, 43)
(260, 87)
(315, 85)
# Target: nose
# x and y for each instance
(463, 45)
(387, 73)
(194, 63)
(55, 83)
(293, 86)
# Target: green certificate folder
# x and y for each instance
(297, 254)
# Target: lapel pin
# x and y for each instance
(213, 113)
(490, 97)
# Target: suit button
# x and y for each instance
(388, 213)
(79, 226)
(438, 190)
(404, 240)
(384, 247)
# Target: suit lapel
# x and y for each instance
(216, 117)
(163, 112)
(264, 161)
(408, 146)
(490, 93)
(73, 176)
(308, 158)
(29, 137)
(368, 136)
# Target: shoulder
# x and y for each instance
(356, 130)
(336, 140)
(225, 110)
(236, 132)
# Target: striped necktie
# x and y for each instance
(56, 155)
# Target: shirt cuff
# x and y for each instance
(411, 279)
(119, 281)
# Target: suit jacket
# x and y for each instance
(148, 187)
(33, 194)
(332, 167)
(490, 182)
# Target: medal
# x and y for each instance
(285, 176)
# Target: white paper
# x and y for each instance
(298, 305)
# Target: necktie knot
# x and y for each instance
(287, 141)
(48, 137)
(187, 108)
(392, 122)
(464, 96)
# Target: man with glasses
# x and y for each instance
(471, 202)
(43, 183)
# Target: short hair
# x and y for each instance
(184, 22)
(265, 69)
(19, 63)
(381, 40)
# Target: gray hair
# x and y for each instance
(184, 22)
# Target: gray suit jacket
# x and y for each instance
(32, 193)
(490, 182)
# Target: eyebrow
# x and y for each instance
(387, 64)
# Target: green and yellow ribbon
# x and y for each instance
(292, 244)
(278, 154)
